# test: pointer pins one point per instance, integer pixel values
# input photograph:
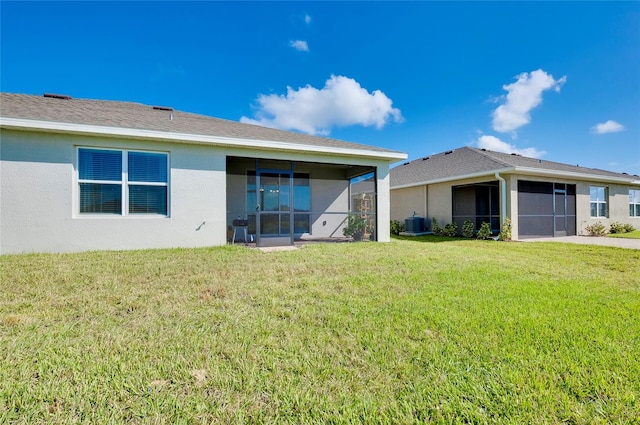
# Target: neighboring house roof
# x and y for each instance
(468, 162)
(129, 119)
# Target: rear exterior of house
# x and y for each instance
(542, 198)
(79, 175)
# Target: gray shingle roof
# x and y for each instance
(469, 161)
(137, 116)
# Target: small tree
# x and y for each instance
(355, 227)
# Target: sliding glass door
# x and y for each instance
(274, 199)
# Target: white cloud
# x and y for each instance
(522, 96)
(341, 102)
(607, 127)
(307, 19)
(299, 45)
(492, 143)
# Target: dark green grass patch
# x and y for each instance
(407, 332)
(630, 235)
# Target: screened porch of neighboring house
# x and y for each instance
(478, 203)
(279, 203)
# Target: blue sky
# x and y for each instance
(554, 80)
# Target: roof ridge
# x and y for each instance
(484, 152)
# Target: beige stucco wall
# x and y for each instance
(439, 201)
(39, 195)
(404, 202)
(618, 206)
(39, 192)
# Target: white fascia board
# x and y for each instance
(527, 171)
(454, 178)
(133, 133)
(576, 175)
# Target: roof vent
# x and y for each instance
(425, 158)
(406, 163)
(625, 173)
(448, 152)
(57, 96)
(483, 150)
(163, 108)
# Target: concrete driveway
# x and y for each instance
(591, 240)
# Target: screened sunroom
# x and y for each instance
(272, 202)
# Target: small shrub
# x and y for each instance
(505, 230)
(396, 227)
(450, 230)
(617, 227)
(435, 227)
(596, 229)
(485, 231)
(468, 229)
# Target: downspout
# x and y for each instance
(503, 198)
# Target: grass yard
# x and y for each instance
(414, 331)
(630, 235)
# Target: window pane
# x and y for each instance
(301, 223)
(301, 193)
(147, 199)
(637, 210)
(602, 210)
(147, 167)
(96, 164)
(594, 209)
(100, 198)
(634, 196)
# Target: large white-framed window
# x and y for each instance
(599, 205)
(634, 202)
(122, 182)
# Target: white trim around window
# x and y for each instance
(122, 182)
(599, 201)
(634, 202)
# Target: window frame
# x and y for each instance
(598, 202)
(634, 206)
(124, 184)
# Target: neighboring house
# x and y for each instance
(542, 198)
(80, 175)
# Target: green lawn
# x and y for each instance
(630, 235)
(413, 331)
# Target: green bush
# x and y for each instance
(468, 229)
(505, 230)
(450, 230)
(596, 229)
(435, 227)
(485, 231)
(617, 227)
(396, 227)
(355, 227)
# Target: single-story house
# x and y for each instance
(542, 198)
(78, 174)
